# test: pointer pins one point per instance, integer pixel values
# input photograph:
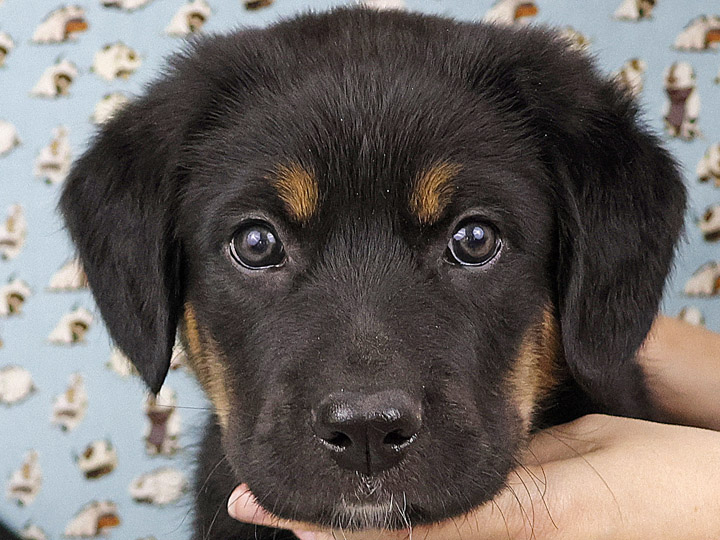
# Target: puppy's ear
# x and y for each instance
(118, 205)
(621, 206)
(622, 216)
(120, 202)
(620, 203)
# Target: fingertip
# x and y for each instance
(243, 506)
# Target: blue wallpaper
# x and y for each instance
(82, 450)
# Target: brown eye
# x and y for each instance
(474, 243)
(255, 245)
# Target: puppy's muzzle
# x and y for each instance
(367, 433)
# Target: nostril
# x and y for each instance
(338, 441)
(367, 433)
(397, 439)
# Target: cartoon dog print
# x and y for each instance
(56, 80)
(108, 106)
(179, 357)
(163, 429)
(683, 106)
(577, 40)
(120, 364)
(16, 385)
(72, 327)
(127, 5)
(9, 138)
(93, 520)
(25, 483)
(53, 162)
(692, 315)
(6, 45)
(12, 297)
(116, 60)
(373, 4)
(511, 12)
(69, 407)
(61, 25)
(700, 34)
(13, 232)
(70, 277)
(189, 19)
(97, 460)
(634, 10)
(709, 166)
(631, 76)
(705, 281)
(33, 532)
(159, 487)
(709, 224)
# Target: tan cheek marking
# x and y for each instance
(537, 369)
(206, 361)
(298, 189)
(433, 191)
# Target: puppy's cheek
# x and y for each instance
(537, 370)
(208, 365)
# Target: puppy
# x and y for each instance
(393, 245)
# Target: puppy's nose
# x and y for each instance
(367, 433)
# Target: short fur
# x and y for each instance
(587, 204)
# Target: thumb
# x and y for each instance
(243, 506)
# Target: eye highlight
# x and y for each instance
(474, 243)
(255, 245)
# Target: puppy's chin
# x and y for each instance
(376, 505)
(356, 516)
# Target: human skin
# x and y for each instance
(599, 477)
(682, 366)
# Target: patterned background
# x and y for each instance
(76, 449)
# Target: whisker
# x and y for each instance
(502, 514)
(578, 454)
(212, 523)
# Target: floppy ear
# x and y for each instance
(621, 206)
(620, 201)
(118, 205)
(624, 202)
(121, 200)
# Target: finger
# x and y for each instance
(513, 514)
(243, 506)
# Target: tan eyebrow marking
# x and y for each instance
(298, 189)
(433, 191)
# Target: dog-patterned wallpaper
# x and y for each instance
(83, 450)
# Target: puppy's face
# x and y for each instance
(402, 270)
(387, 252)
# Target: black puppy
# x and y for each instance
(393, 245)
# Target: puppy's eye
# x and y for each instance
(474, 243)
(256, 246)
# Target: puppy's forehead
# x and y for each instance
(430, 192)
(407, 143)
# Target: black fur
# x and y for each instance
(588, 205)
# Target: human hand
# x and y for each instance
(597, 478)
(682, 367)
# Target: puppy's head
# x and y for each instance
(387, 241)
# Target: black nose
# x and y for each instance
(367, 433)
